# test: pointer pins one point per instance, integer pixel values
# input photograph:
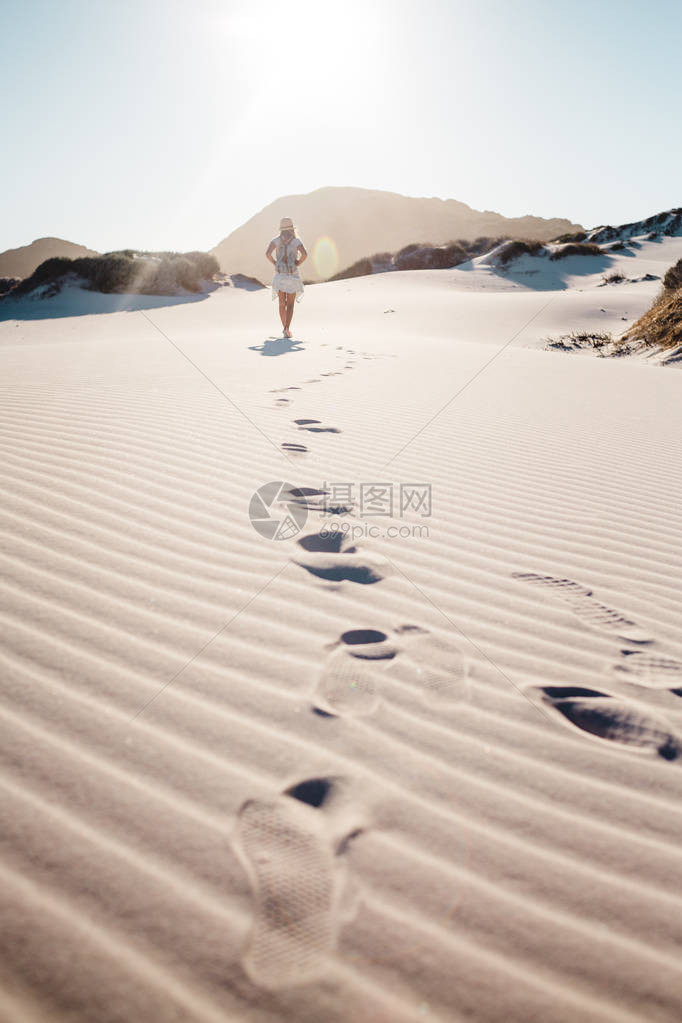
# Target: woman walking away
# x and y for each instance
(287, 280)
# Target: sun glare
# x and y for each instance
(312, 34)
(315, 50)
(325, 257)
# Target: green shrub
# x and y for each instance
(519, 247)
(421, 256)
(407, 249)
(577, 236)
(205, 264)
(362, 268)
(412, 257)
(48, 271)
(430, 257)
(185, 273)
(7, 283)
(577, 249)
(450, 255)
(673, 277)
(108, 274)
(116, 272)
(121, 252)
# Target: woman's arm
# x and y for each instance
(304, 254)
(268, 251)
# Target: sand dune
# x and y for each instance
(343, 778)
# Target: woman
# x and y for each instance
(287, 280)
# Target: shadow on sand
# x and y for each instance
(68, 298)
(77, 302)
(277, 346)
(539, 273)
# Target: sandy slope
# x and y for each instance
(485, 813)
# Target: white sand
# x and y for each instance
(493, 844)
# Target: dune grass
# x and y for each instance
(127, 270)
(661, 325)
(419, 256)
(577, 249)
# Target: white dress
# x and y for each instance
(287, 277)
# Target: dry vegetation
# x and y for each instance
(615, 277)
(147, 273)
(661, 326)
(578, 236)
(420, 256)
(577, 249)
(519, 247)
(7, 283)
(579, 339)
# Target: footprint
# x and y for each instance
(601, 617)
(330, 542)
(590, 611)
(314, 791)
(604, 717)
(559, 587)
(368, 644)
(296, 449)
(411, 630)
(309, 498)
(297, 879)
(329, 556)
(282, 402)
(314, 426)
(364, 569)
(347, 686)
(653, 672)
(435, 665)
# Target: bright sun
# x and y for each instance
(315, 50)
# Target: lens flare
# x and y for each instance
(325, 257)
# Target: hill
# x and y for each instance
(22, 262)
(360, 221)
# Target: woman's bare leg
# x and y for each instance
(283, 307)
(290, 308)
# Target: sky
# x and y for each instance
(161, 124)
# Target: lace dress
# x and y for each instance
(287, 276)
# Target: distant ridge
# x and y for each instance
(363, 221)
(23, 261)
(667, 224)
